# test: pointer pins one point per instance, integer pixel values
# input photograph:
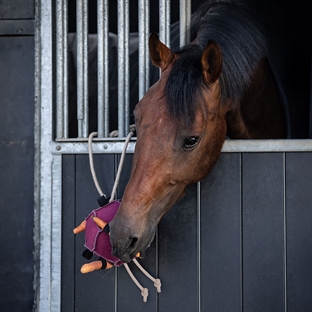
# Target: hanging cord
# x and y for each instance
(122, 159)
(144, 290)
(96, 183)
(157, 283)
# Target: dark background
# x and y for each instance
(288, 25)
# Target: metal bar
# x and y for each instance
(56, 229)
(127, 71)
(123, 67)
(43, 138)
(115, 145)
(80, 81)
(185, 22)
(82, 67)
(59, 69)
(85, 70)
(168, 21)
(37, 115)
(164, 22)
(147, 33)
(103, 68)
(65, 69)
(143, 47)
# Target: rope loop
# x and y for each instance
(157, 282)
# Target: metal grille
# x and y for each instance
(103, 101)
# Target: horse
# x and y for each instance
(219, 85)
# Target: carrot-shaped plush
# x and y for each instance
(97, 239)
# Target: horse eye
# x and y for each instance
(190, 142)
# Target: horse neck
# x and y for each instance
(259, 115)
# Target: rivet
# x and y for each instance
(105, 146)
(58, 148)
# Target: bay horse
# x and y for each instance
(220, 84)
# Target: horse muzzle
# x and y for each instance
(126, 245)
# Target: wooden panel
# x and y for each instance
(263, 227)
(125, 173)
(178, 261)
(94, 289)
(128, 294)
(220, 236)
(299, 231)
(17, 9)
(16, 173)
(68, 239)
(241, 233)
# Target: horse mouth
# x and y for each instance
(136, 248)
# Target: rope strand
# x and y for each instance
(157, 283)
(113, 194)
(97, 185)
(144, 291)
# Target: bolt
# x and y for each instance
(105, 146)
(58, 148)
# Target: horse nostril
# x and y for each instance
(124, 251)
(133, 242)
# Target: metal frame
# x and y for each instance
(109, 146)
(48, 153)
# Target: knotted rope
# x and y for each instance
(157, 282)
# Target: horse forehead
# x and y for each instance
(152, 106)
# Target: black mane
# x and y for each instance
(242, 44)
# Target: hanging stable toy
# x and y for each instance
(96, 229)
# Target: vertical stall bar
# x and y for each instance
(127, 70)
(65, 66)
(143, 47)
(85, 70)
(103, 69)
(185, 22)
(123, 67)
(43, 137)
(147, 33)
(59, 69)
(82, 67)
(164, 22)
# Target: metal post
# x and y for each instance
(65, 66)
(43, 138)
(61, 70)
(123, 67)
(185, 22)
(103, 68)
(143, 47)
(164, 22)
(82, 68)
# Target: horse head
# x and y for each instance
(177, 143)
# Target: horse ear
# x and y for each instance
(212, 62)
(161, 55)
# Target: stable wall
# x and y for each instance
(240, 240)
(17, 43)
